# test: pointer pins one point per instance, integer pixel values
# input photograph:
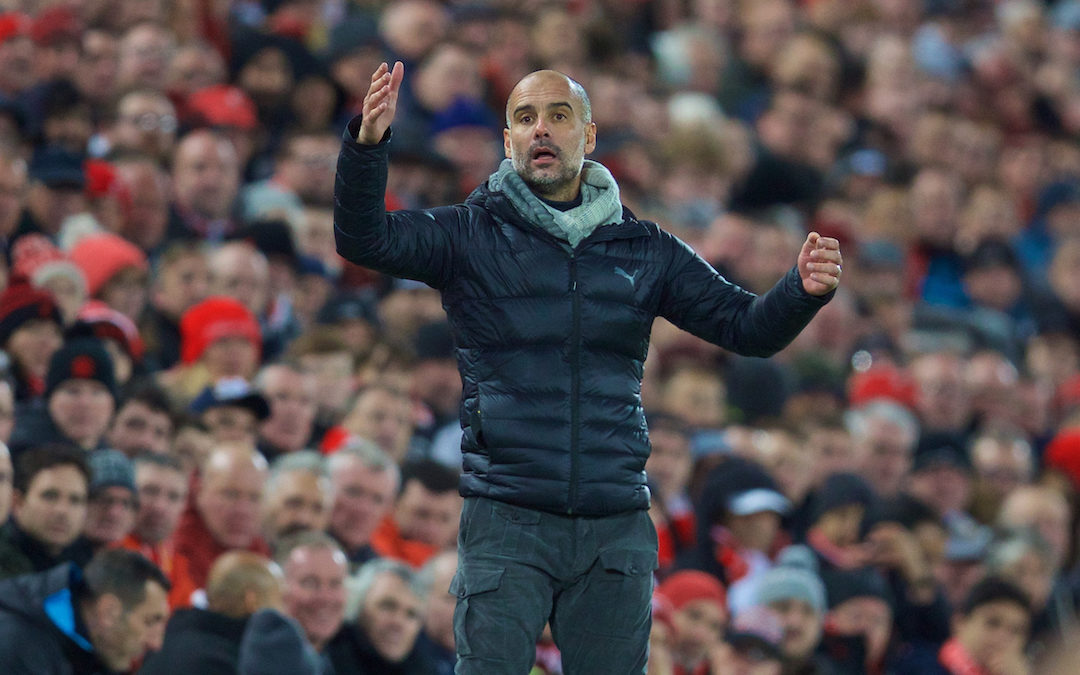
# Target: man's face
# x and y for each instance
(33, 344)
(138, 427)
(145, 123)
(7, 475)
(382, 417)
(334, 373)
(670, 461)
(181, 284)
(362, 497)
(315, 591)
(699, 624)
(866, 616)
(228, 423)
(53, 510)
(430, 517)
(110, 515)
(206, 175)
(802, 627)
(128, 636)
(993, 630)
(231, 357)
(548, 137)
(229, 502)
(293, 405)
(298, 502)
(162, 497)
(886, 455)
(439, 610)
(391, 617)
(755, 531)
(82, 410)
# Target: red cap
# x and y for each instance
(213, 319)
(686, 586)
(14, 24)
(55, 24)
(1063, 454)
(882, 381)
(223, 105)
(102, 256)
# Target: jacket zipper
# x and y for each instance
(575, 383)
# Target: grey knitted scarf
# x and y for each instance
(600, 203)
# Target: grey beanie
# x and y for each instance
(274, 644)
(795, 576)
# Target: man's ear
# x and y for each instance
(590, 138)
(106, 611)
(506, 142)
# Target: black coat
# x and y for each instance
(32, 641)
(551, 340)
(198, 641)
(351, 653)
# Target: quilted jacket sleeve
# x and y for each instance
(699, 300)
(412, 244)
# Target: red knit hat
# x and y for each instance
(20, 303)
(1063, 454)
(103, 322)
(215, 318)
(102, 256)
(686, 586)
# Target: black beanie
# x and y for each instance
(81, 359)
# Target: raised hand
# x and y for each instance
(380, 104)
(820, 264)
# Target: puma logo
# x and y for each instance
(626, 275)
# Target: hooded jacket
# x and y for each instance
(551, 339)
(38, 619)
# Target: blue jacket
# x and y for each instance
(551, 340)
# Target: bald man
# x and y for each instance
(207, 641)
(205, 183)
(551, 287)
(225, 513)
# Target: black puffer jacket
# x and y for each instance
(551, 340)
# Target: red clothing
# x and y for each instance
(958, 661)
(194, 541)
(177, 568)
(388, 543)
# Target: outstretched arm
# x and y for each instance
(380, 104)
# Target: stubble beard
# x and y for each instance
(544, 182)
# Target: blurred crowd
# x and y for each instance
(192, 373)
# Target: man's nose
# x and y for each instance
(540, 129)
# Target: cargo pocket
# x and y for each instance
(471, 585)
(623, 591)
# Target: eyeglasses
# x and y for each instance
(149, 121)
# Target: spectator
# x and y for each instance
(859, 621)
(364, 483)
(208, 640)
(7, 477)
(436, 639)
(231, 410)
(384, 616)
(116, 272)
(315, 570)
(699, 618)
(297, 496)
(382, 414)
(291, 393)
(884, 434)
(941, 477)
(143, 423)
(112, 499)
(325, 356)
(425, 516)
(1002, 461)
(50, 622)
(117, 333)
(148, 214)
(669, 468)
(753, 643)
(1044, 510)
(225, 512)
(162, 488)
(794, 591)
(205, 181)
(80, 396)
(146, 124)
(57, 181)
(836, 525)
(48, 511)
(274, 644)
(30, 334)
(181, 280)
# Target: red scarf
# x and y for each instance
(958, 661)
(842, 557)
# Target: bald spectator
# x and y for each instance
(239, 271)
(297, 496)
(293, 397)
(437, 637)
(884, 435)
(207, 641)
(148, 214)
(225, 512)
(315, 571)
(48, 511)
(385, 616)
(382, 414)
(162, 487)
(364, 482)
(205, 181)
(425, 516)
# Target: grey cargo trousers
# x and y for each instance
(519, 568)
